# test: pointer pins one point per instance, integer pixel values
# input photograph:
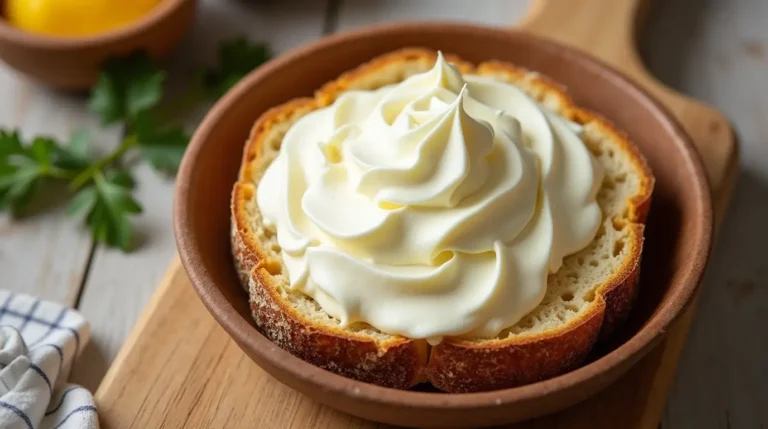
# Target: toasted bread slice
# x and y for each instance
(589, 296)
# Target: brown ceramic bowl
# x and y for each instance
(677, 238)
(73, 63)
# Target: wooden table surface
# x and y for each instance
(714, 50)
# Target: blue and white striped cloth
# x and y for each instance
(39, 341)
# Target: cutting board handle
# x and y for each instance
(604, 28)
(608, 29)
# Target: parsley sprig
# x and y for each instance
(129, 91)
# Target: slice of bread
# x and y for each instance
(587, 298)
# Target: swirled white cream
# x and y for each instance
(434, 207)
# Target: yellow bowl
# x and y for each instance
(72, 63)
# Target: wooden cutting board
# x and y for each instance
(179, 369)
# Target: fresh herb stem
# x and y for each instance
(95, 169)
(98, 179)
(57, 173)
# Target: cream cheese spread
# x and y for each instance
(433, 207)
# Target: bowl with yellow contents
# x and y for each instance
(63, 43)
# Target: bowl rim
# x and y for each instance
(29, 39)
(249, 337)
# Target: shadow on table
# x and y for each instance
(90, 367)
(671, 27)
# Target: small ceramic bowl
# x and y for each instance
(678, 233)
(73, 63)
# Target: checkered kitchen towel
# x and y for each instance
(39, 341)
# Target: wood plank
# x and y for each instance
(44, 254)
(119, 285)
(719, 53)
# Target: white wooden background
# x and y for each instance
(715, 50)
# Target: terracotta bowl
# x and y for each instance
(678, 232)
(73, 63)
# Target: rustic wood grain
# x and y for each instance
(216, 372)
(44, 253)
(119, 285)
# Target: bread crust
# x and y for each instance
(455, 365)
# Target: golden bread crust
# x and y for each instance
(455, 365)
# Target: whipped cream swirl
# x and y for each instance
(433, 207)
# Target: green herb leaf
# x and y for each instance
(74, 157)
(83, 202)
(17, 185)
(42, 149)
(107, 206)
(21, 168)
(162, 146)
(121, 177)
(126, 86)
(237, 58)
(10, 144)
